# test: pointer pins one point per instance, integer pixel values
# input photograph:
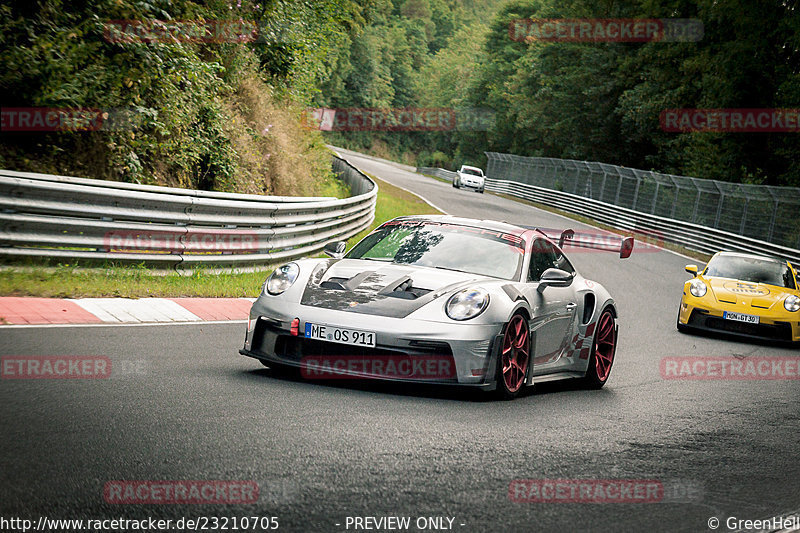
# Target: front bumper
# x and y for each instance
(706, 314)
(471, 348)
(471, 184)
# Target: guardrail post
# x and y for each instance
(619, 186)
(603, 184)
(719, 204)
(636, 191)
(655, 198)
(771, 233)
(675, 200)
(775, 202)
(744, 215)
(696, 205)
(577, 178)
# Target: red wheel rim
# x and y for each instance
(516, 353)
(605, 345)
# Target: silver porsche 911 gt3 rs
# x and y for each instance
(439, 299)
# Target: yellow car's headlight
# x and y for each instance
(792, 303)
(698, 288)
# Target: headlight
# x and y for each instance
(467, 304)
(282, 279)
(792, 303)
(698, 288)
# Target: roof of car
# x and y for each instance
(487, 224)
(751, 256)
(469, 167)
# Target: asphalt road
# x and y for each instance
(183, 405)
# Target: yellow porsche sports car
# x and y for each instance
(743, 294)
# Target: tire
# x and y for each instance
(683, 328)
(604, 349)
(514, 358)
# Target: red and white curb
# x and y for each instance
(36, 311)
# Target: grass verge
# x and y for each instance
(73, 281)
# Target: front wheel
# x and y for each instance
(604, 348)
(683, 328)
(514, 358)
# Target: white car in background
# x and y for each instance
(470, 177)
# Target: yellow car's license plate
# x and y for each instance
(740, 317)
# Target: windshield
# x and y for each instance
(471, 172)
(446, 246)
(750, 269)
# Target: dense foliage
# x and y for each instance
(211, 113)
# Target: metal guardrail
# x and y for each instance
(82, 219)
(652, 227)
(760, 212)
(437, 172)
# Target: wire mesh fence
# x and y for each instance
(771, 214)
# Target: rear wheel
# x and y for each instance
(514, 358)
(604, 348)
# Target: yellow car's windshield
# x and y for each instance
(752, 269)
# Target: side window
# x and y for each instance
(543, 256)
(563, 263)
(788, 279)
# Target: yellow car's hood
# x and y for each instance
(758, 295)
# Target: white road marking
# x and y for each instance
(142, 310)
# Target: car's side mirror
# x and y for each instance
(692, 269)
(554, 277)
(335, 249)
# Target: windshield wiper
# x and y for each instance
(453, 269)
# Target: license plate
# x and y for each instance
(740, 317)
(328, 333)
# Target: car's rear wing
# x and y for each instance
(608, 242)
